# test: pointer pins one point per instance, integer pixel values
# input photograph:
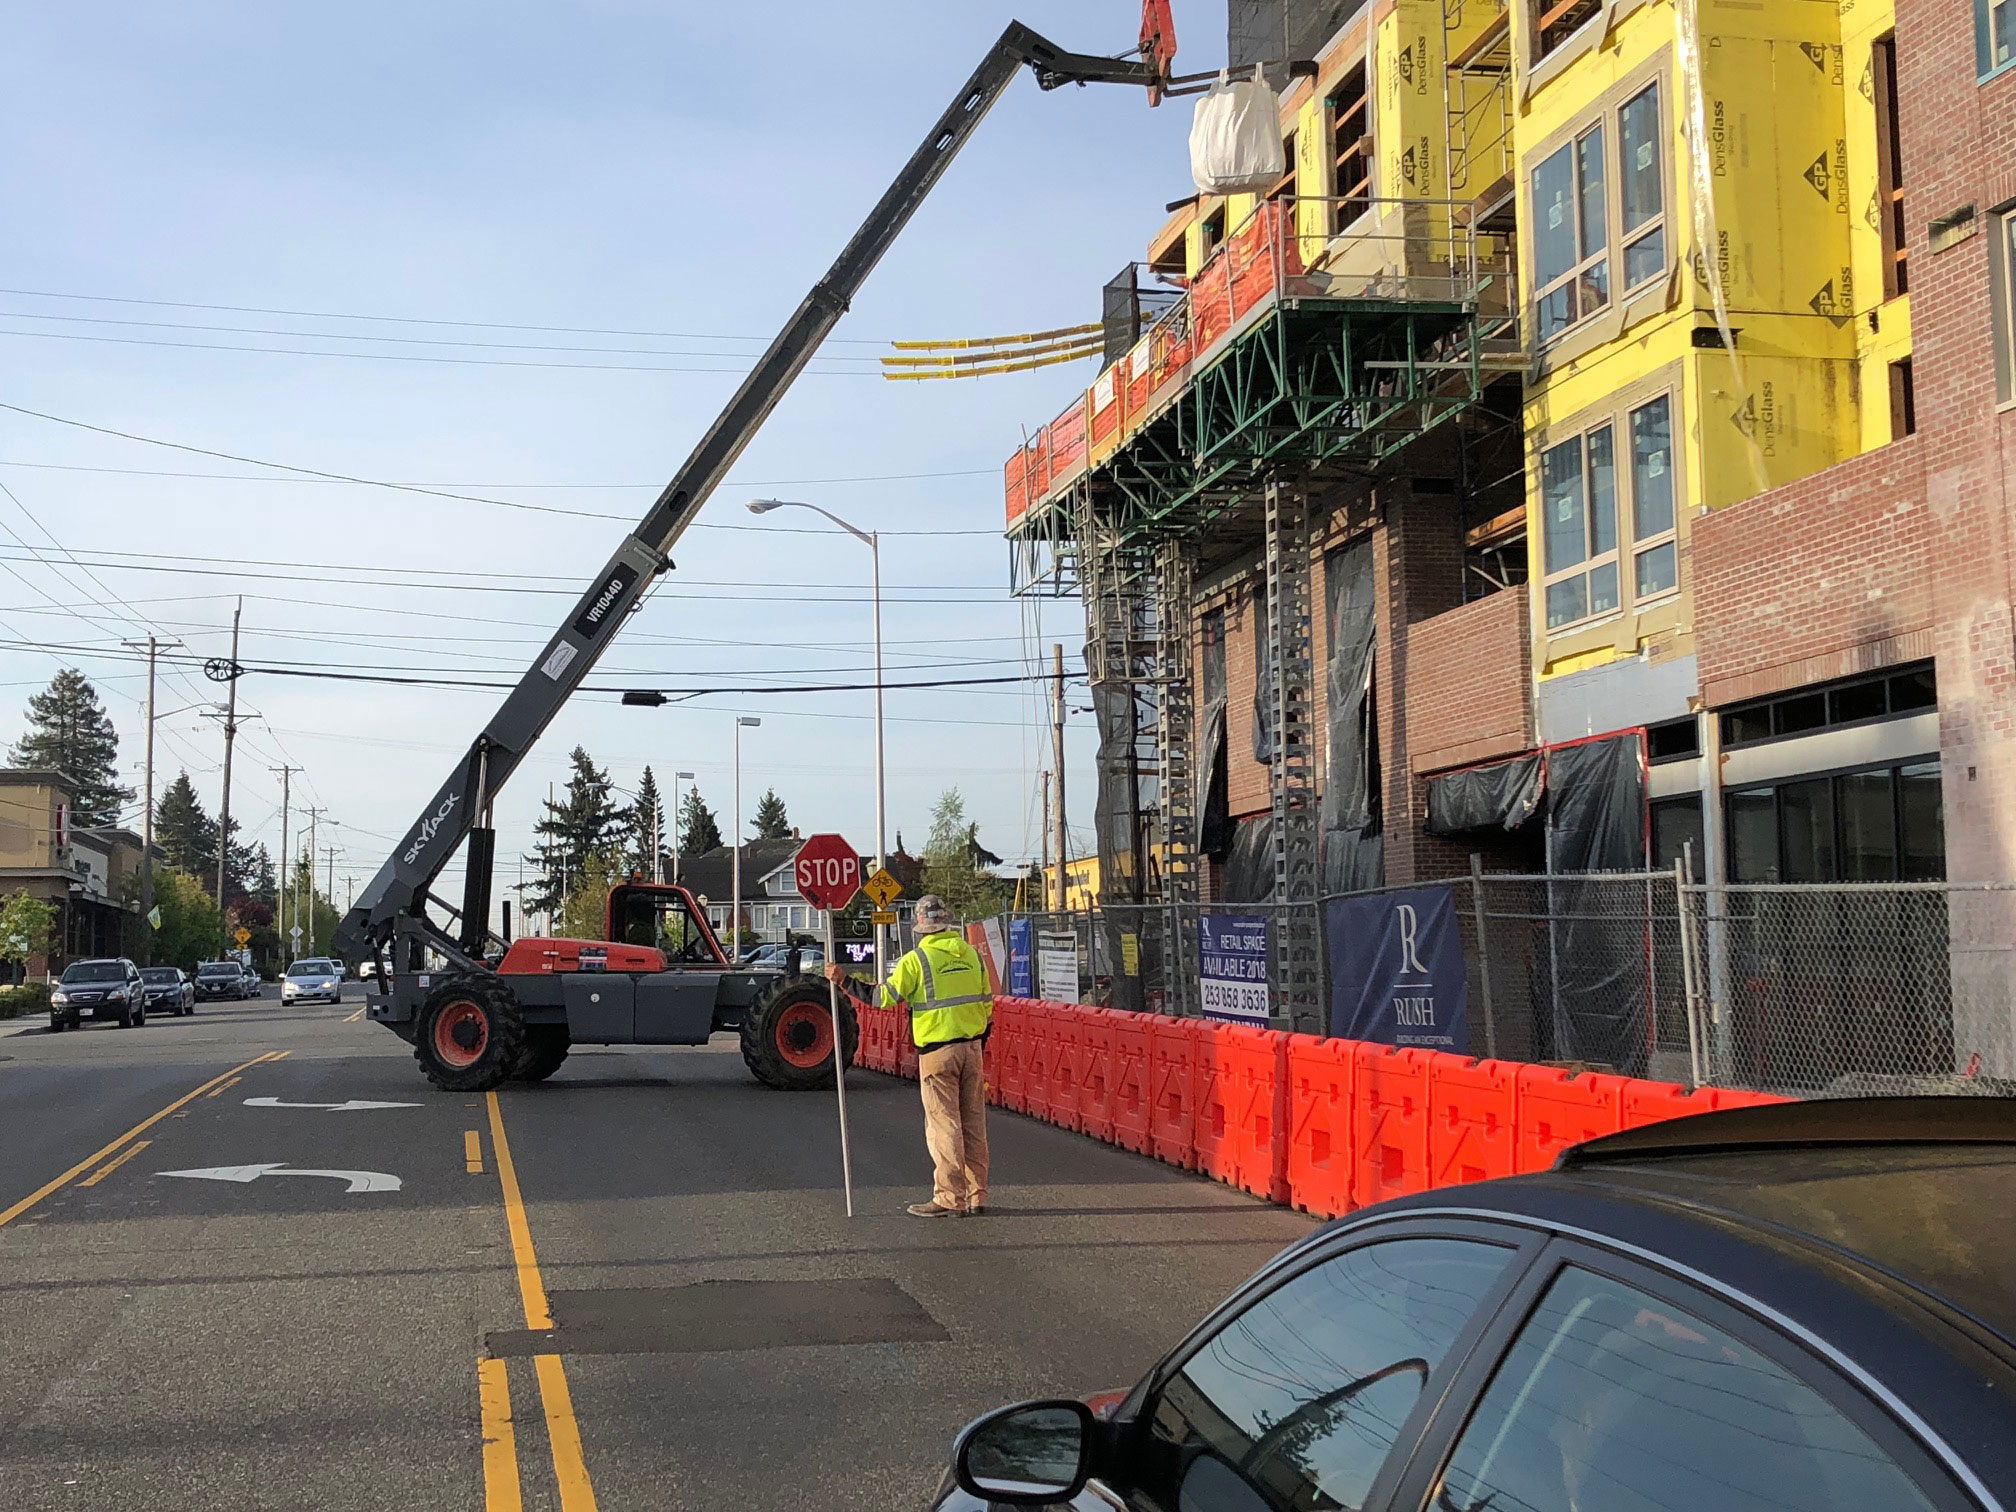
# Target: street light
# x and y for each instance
(735, 843)
(873, 541)
(677, 778)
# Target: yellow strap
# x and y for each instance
(996, 341)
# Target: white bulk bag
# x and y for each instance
(1235, 138)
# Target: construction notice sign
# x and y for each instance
(1057, 966)
(1232, 967)
(1397, 971)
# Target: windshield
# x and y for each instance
(217, 969)
(95, 971)
(312, 968)
(161, 974)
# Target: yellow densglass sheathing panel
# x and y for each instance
(1771, 420)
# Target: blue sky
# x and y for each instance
(661, 168)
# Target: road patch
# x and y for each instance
(711, 1317)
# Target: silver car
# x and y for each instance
(312, 979)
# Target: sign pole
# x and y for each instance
(840, 1070)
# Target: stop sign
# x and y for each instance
(829, 872)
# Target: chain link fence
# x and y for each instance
(1808, 990)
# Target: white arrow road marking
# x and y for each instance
(355, 1105)
(360, 1181)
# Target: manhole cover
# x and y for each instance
(712, 1316)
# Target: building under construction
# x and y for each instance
(1519, 476)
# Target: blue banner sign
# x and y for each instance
(1232, 967)
(1396, 970)
(1021, 958)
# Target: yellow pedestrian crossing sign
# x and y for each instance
(243, 937)
(882, 889)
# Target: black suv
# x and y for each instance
(103, 989)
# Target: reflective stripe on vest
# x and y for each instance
(932, 1001)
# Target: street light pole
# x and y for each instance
(677, 778)
(735, 845)
(873, 541)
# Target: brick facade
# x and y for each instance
(1821, 579)
(1470, 680)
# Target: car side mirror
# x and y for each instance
(1029, 1455)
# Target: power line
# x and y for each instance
(482, 325)
(271, 351)
(336, 477)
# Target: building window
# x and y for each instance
(1673, 740)
(1877, 824)
(1350, 150)
(1214, 656)
(1862, 700)
(1210, 235)
(1889, 168)
(1284, 186)
(1641, 188)
(1558, 20)
(1581, 511)
(1677, 833)
(2002, 276)
(1571, 269)
(1572, 247)
(1994, 35)
(1903, 402)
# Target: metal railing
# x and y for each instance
(1807, 990)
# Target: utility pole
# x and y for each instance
(154, 647)
(330, 852)
(286, 774)
(313, 815)
(1043, 870)
(350, 892)
(230, 738)
(1060, 830)
(657, 842)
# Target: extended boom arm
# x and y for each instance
(394, 902)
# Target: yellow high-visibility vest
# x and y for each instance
(945, 986)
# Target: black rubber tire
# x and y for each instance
(502, 1033)
(762, 1044)
(546, 1046)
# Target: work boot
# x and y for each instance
(930, 1210)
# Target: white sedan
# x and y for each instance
(314, 978)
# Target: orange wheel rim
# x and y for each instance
(804, 1035)
(461, 1033)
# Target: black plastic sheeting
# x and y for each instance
(1354, 852)
(1214, 804)
(1596, 823)
(1248, 876)
(1121, 796)
(1263, 682)
(1503, 795)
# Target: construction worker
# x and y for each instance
(945, 987)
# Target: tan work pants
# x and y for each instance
(953, 1078)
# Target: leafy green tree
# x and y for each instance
(306, 903)
(699, 830)
(585, 823)
(954, 862)
(771, 822)
(190, 924)
(27, 926)
(648, 821)
(584, 914)
(70, 732)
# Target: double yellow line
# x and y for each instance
(501, 1488)
(8, 1215)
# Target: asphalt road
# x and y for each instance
(654, 1301)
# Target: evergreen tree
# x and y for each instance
(954, 866)
(648, 823)
(585, 823)
(184, 831)
(771, 822)
(70, 732)
(699, 831)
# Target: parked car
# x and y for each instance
(312, 979)
(168, 990)
(108, 988)
(225, 980)
(367, 969)
(1806, 1306)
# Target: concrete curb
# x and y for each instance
(35, 1024)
